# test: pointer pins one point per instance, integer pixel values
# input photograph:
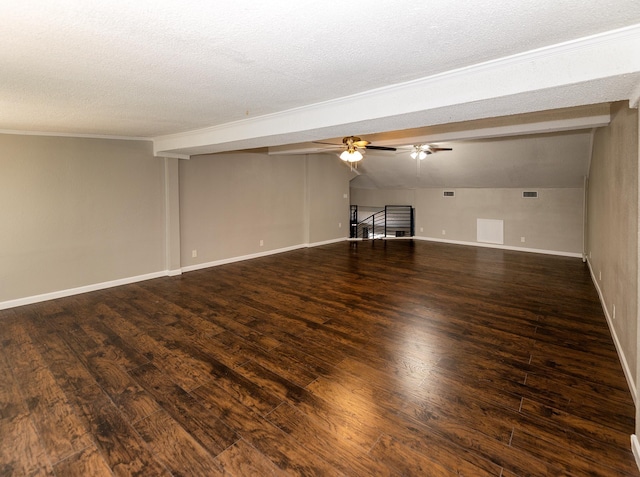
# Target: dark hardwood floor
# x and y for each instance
(372, 358)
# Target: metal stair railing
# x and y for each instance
(371, 227)
(399, 221)
(393, 221)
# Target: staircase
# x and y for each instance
(392, 221)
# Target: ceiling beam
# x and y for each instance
(594, 69)
(469, 133)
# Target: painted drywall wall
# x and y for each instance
(328, 198)
(172, 214)
(370, 201)
(77, 211)
(231, 202)
(552, 222)
(612, 228)
(378, 198)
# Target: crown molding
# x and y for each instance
(76, 135)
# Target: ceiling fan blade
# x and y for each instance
(436, 149)
(380, 148)
(355, 142)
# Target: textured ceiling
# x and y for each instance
(151, 68)
(202, 77)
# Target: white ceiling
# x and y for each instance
(199, 77)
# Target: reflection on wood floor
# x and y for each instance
(370, 358)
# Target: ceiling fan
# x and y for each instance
(352, 146)
(421, 151)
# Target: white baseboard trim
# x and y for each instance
(327, 242)
(215, 263)
(83, 289)
(224, 261)
(503, 247)
(635, 448)
(623, 360)
(240, 258)
(170, 273)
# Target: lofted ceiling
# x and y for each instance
(541, 149)
(552, 160)
(204, 77)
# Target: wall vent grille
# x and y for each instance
(532, 194)
(448, 193)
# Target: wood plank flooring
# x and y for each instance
(359, 359)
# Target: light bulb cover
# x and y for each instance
(351, 156)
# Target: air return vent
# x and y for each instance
(448, 193)
(530, 194)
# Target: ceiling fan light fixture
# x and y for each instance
(419, 152)
(351, 155)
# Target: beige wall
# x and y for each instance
(552, 222)
(328, 198)
(378, 198)
(612, 226)
(172, 215)
(229, 202)
(77, 212)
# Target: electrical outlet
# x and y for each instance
(261, 243)
(522, 239)
(194, 253)
(444, 232)
(421, 229)
(599, 274)
(614, 312)
(345, 196)
(339, 225)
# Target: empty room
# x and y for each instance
(349, 239)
